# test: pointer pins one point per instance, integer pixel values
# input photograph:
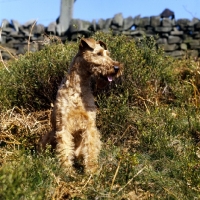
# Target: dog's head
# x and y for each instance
(98, 61)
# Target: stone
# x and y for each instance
(137, 20)
(15, 24)
(59, 29)
(7, 29)
(183, 46)
(167, 13)
(187, 38)
(113, 27)
(139, 29)
(155, 21)
(145, 21)
(190, 28)
(164, 35)
(116, 32)
(13, 41)
(15, 34)
(85, 25)
(66, 9)
(3, 39)
(197, 26)
(64, 38)
(150, 31)
(161, 41)
(174, 39)
(128, 23)
(193, 53)
(177, 54)
(194, 44)
(75, 36)
(38, 29)
(52, 28)
(163, 29)
(29, 23)
(166, 22)
(196, 35)
(107, 24)
(168, 47)
(193, 22)
(101, 24)
(137, 33)
(24, 31)
(21, 48)
(77, 25)
(176, 32)
(128, 32)
(94, 25)
(5, 23)
(118, 20)
(182, 23)
(6, 55)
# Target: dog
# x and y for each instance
(74, 133)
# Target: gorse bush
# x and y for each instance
(32, 80)
(148, 118)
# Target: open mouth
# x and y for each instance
(110, 78)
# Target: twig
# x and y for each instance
(8, 52)
(196, 92)
(146, 104)
(86, 183)
(29, 38)
(116, 172)
(1, 59)
(188, 11)
(129, 126)
(131, 179)
(169, 192)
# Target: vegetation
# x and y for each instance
(149, 120)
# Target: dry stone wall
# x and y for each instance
(177, 37)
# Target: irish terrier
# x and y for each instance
(74, 132)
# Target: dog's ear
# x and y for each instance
(102, 44)
(87, 43)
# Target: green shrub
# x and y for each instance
(27, 177)
(32, 80)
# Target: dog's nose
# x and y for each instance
(116, 68)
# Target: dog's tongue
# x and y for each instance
(110, 78)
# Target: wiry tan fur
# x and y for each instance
(74, 132)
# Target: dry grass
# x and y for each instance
(21, 128)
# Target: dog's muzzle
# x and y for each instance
(116, 68)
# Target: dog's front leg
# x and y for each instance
(91, 149)
(65, 148)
